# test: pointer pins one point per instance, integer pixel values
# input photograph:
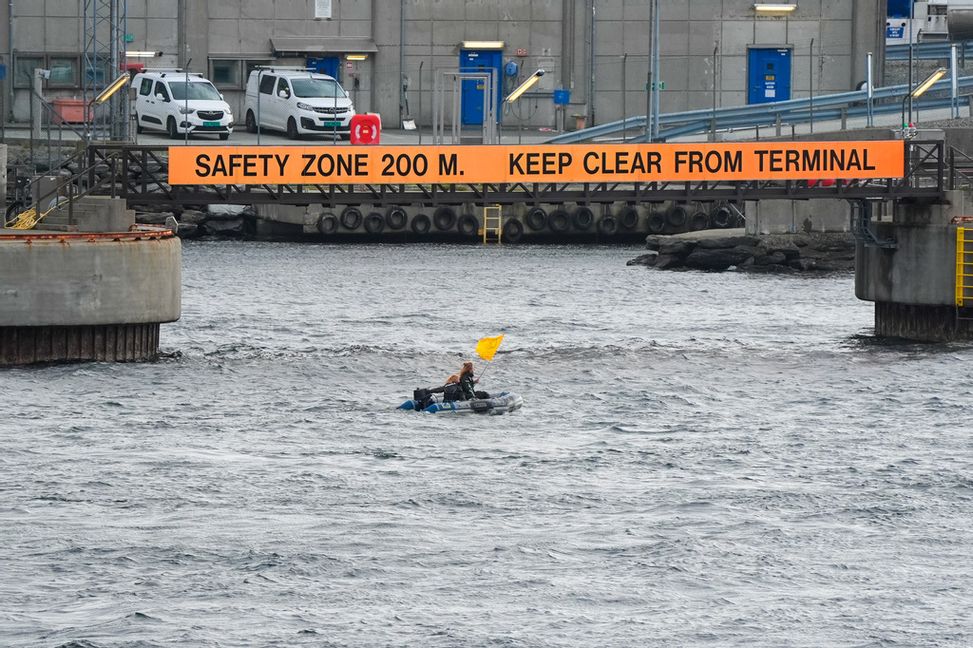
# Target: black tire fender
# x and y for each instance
(628, 218)
(656, 222)
(536, 218)
(699, 221)
(396, 218)
(444, 218)
(351, 218)
(559, 221)
(468, 225)
(608, 225)
(327, 223)
(583, 219)
(420, 224)
(677, 216)
(513, 231)
(374, 223)
(721, 217)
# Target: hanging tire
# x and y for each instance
(468, 225)
(328, 223)
(699, 221)
(351, 218)
(444, 218)
(608, 226)
(420, 224)
(536, 219)
(396, 218)
(374, 223)
(559, 221)
(656, 222)
(677, 216)
(513, 231)
(721, 217)
(583, 218)
(628, 219)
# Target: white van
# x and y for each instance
(297, 102)
(165, 101)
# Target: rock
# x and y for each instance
(224, 227)
(158, 218)
(188, 230)
(652, 242)
(667, 262)
(728, 242)
(225, 210)
(718, 259)
(192, 216)
(644, 260)
(676, 247)
(773, 258)
(803, 264)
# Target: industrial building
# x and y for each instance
(385, 52)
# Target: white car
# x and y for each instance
(297, 102)
(166, 101)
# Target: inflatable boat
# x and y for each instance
(499, 404)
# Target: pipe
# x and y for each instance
(401, 60)
(649, 79)
(591, 65)
(10, 60)
(810, 84)
(656, 66)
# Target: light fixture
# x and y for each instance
(141, 54)
(920, 90)
(113, 87)
(356, 57)
(774, 7)
(528, 83)
(482, 45)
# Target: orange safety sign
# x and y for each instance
(208, 165)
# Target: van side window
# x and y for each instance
(282, 85)
(160, 89)
(146, 88)
(267, 84)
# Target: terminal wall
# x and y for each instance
(794, 216)
(579, 43)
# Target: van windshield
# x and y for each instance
(317, 88)
(197, 90)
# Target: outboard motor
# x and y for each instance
(422, 397)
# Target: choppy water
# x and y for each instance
(702, 460)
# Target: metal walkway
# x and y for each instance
(139, 174)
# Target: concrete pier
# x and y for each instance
(80, 296)
(913, 284)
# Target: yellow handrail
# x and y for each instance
(964, 266)
(492, 223)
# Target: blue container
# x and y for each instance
(3, 71)
(562, 97)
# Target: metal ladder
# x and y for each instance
(492, 224)
(964, 267)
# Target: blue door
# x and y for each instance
(330, 65)
(769, 75)
(479, 61)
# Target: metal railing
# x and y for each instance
(842, 105)
(964, 266)
(928, 51)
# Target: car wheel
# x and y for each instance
(292, 129)
(224, 136)
(171, 129)
(251, 122)
(138, 124)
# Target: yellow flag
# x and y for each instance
(487, 347)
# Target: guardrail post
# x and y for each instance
(844, 118)
(779, 124)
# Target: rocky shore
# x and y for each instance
(220, 221)
(717, 251)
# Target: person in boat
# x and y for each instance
(468, 381)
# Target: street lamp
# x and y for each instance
(921, 89)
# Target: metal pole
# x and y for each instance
(870, 82)
(185, 115)
(810, 84)
(591, 53)
(624, 102)
(419, 116)
(401, 64)
(912, 10)
(656, 64)
(954, 82)
(716, 49)
(259, 74)
(648, 77)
